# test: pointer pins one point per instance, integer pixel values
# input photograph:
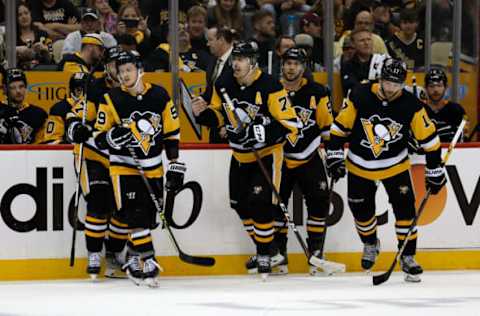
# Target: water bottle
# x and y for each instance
(291, 20)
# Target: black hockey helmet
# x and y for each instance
(14, 74)
(245, 48)
(133, 57)
(434, 75)
(78, 80)
(112, 53)
(295, 54)
(394, 70)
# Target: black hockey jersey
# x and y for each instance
(155, 125)
(264, 98)
(29, 127)
(73, 63)
(312, 105)
(378, 132)
(447, 119)
(411, 53)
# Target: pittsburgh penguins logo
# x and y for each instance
(305, 116)
(145, 127)
(245, 111)
(380, 133)
(24, 133)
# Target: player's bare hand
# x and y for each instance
(198, 105)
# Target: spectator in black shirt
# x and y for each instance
(264, 34)
(311, 24)
(197, 28)
(56, 17)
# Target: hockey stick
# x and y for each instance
(201, 261)
(240, 125)
(329, 267)
(381, 278)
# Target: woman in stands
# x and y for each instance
(108, 17)
(32, 43)
(226, 13)
(130, 21)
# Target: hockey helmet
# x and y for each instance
(133, 57)
(394, 70)
(78, 80)
(295, 54)
(435, 75)
(245, 48)
(112, 53)
(14, 74)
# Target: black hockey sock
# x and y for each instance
(141, 242)
(117, 235)
(95, 229)
(263, 237)
(367, 230)
(315, 227)
(401, 228)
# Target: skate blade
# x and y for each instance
(279, 270)
(412, 278)
(93, 277)
(264, 276)
(152, 282)
(136, 281)
(115, 275)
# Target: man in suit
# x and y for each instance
(220, 43)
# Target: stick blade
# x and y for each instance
(381, 278)
(200, 261)
(329, 267)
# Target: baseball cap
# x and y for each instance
(310, 17)
(90, 12)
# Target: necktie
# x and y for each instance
(216, 71)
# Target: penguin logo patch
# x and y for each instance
(380, 133)
(145, 126)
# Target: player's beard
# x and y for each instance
(295, 77)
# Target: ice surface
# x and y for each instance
(439, 293)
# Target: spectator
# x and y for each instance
(364, 65)
(382, 20)
(127, 42)
(159, 59)
(226, 13)
(305, 41)
(289, 8)
(88, 57)
(197, 28)
(364, 21)
(56, 17)
(347, 55)
(90, 24)
(311, 24)
(130, 21)
(108, 17)
(32, 43)
(264, 34)
(406, 44)
(282, 44)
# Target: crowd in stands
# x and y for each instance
(49, 29)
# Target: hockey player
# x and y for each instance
(141, 116)
(20, 122)
(260, 119)
(446, 114)
(89, 56)
(376, 119)
(303, 164)
(108, 80)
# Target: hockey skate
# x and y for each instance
(151, 270)
(277, 261)
(94, 264)
(113, 267)
(264, 267)
(370, 253)
(133, 269)
(411, 269)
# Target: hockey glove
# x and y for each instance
(175, 174)
(435, 179)
(79, 133)
(119, 136)
(336, 164)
